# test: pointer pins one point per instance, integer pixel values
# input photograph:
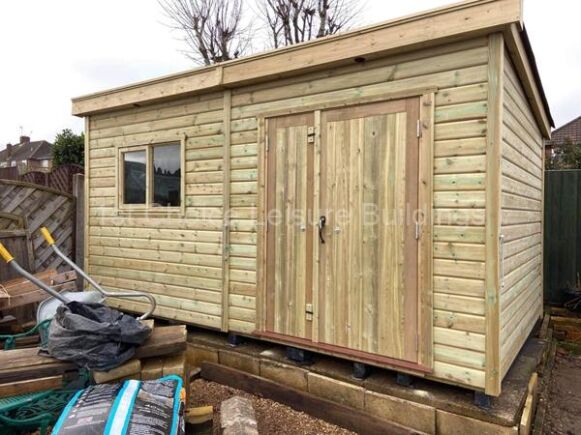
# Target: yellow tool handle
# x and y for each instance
(7, 256)
(46, 234)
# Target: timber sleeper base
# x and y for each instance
(426, 406)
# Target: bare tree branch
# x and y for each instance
(213, 30)
(290, 22)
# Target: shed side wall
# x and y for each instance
(521, 222)
(179, 259)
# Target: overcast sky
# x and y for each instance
(51, 51)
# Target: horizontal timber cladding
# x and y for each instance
(180, 258)
(460, 73)
(176, 258)
(521, 296)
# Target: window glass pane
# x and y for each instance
(134, 174)
(167, 175)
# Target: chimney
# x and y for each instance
(9, 149)
(24, 139)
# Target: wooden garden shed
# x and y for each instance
(375, 195)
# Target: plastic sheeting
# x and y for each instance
(94, 336)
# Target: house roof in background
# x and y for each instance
(570, 132)
(36, 150)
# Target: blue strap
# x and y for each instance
(66, 411)
(137, 387)
(176, 401)
(120, 414)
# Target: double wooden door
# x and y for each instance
(343, 224)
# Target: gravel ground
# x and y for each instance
(564, 398)
(272, 417)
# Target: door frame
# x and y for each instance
(425, 247)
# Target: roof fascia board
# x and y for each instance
(469, 19)
(461, 20)
(523, 67)
(203, 80)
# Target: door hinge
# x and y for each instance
(309, 311)
(267, 143)
(311, 135)
(419, 128)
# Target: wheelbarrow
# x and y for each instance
(41, 409)
(47, 308)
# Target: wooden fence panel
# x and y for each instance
(35, 177)
(37, 207)
(9, 221)
(19, 244)
(9, 173)
(562, 252)
(61, 178)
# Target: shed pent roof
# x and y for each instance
(450, 23)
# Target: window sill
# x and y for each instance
(172, 212)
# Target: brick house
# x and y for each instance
(27, 155)
(567, 134)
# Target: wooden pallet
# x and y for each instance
(20, 292)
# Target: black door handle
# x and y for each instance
(322, 223)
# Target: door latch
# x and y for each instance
(418, 230)
(322, 223)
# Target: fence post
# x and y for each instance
(79, 194)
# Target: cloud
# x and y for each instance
(113, 72)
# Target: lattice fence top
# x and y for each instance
(61, 178)
(30, 207)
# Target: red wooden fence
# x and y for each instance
(9, 174)
(61, 178)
